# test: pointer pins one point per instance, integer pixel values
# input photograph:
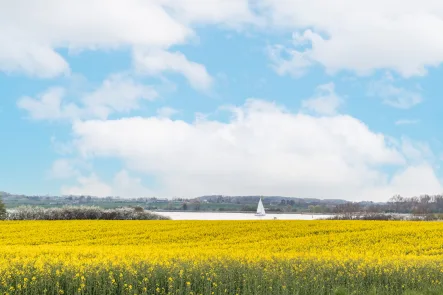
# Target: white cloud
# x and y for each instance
(33, 59)
(154, 62)
(33, 30)
(117, 94)
(296, 66)
(263, 150)
(359, 35)
(89, 185)
(411, 181)
(62, 148)
(166, 112)
(354, 35)
(46, 106)
(407, 122)
(31, 33)
(230, 13)
(325, 101)
(63, 169)
(418, 152)
(416, 180)
(395, 96)
(122, 185)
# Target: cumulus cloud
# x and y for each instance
(47, 25)
(264, 149)
(88, 185)
(32, 32)
(354, 35)
(123, 184)
(413, 180)
(154, 62)
(325, 102)
(36, 60)
(416, 151)
(286, 61)
(117, 94)
(46, 106)
(359, 36)
(230, 13)
(166, 112)
(392, 95)
(63, 169)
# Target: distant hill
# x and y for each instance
(266, 199)
(13, 200)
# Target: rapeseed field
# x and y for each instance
(221, 257)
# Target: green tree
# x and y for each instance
(138, 209)
(2, 209)
(319, 209)
(197, 206)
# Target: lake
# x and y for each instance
(237, 216)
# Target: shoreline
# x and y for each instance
(239, 212)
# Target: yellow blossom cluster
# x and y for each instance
(220, 257)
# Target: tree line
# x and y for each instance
(424, 204)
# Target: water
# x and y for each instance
(238, 216)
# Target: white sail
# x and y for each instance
(260, 209)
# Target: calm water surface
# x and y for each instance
(237, 216)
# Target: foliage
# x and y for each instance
(2, 209)
(372, 216)
(248, 208)
(80, 212)
(138, 209)
(184, 206)
(421, 205)
(225, 257)
(387, 216)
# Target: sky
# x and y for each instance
(183, 98)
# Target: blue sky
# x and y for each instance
(185, 98)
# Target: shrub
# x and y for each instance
(80, 212)
(138, 209)
(248, 208)
(2, 210)
(381, 216)
(366, 217)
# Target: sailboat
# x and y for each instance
(260, 209)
